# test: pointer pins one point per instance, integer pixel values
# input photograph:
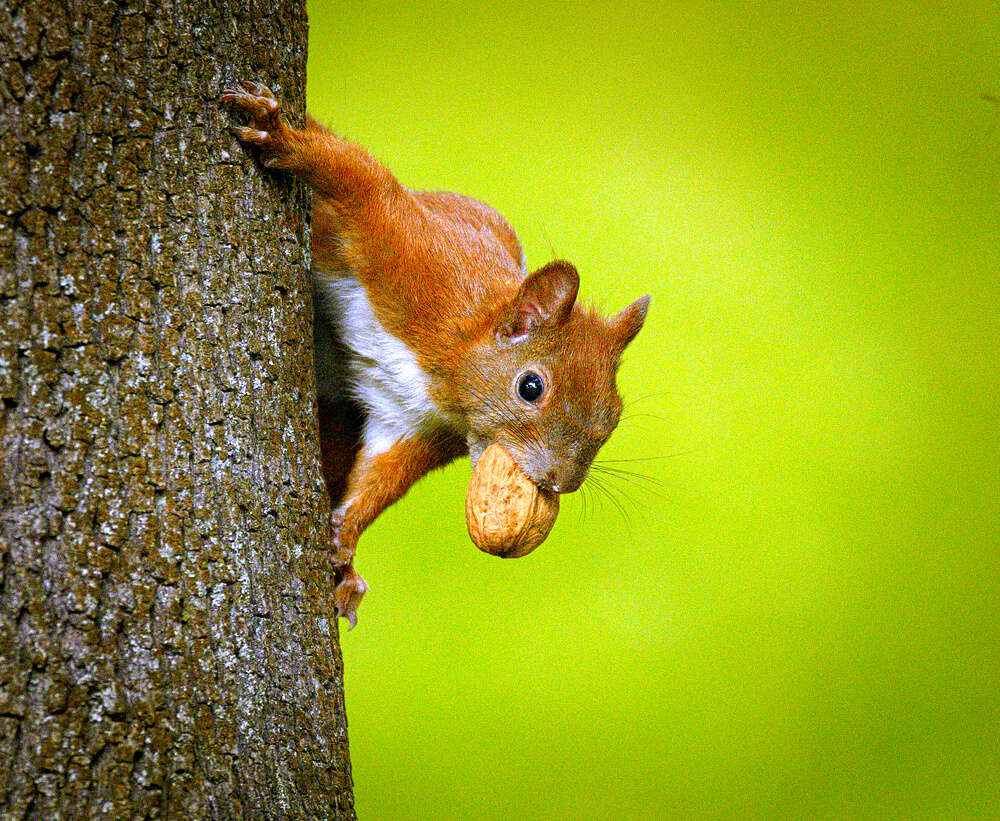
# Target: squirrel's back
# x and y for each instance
(400, 293)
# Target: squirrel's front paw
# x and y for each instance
(267, 131)
(348, 594)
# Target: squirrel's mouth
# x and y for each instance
(549, 478)
(557, 484)
(560, 488)
(532, 462)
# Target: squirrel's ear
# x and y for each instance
(545, 299)
(629, 322)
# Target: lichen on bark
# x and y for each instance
(167, 644)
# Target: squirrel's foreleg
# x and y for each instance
(333, 166)
(375, 482)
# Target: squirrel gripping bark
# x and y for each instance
(432, 338)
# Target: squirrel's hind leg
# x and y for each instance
(348, 594)
(340, 426)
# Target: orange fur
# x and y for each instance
(444, 274)
(378, 481)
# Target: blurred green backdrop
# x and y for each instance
(797, 614)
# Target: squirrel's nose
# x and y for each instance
(558, 484)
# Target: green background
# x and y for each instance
(796, 616)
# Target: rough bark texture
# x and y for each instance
(166, 643)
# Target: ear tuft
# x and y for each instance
(629, 322)
(544, 300)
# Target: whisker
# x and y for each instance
(642, 510)
(583, 504)
(614, 501)
(648, 395)
(636, 481)
(647, 458)
(631, 417)
(617, 471)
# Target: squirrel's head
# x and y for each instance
(542, 384)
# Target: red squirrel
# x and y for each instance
(432, 339)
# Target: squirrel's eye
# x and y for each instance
(530, 386)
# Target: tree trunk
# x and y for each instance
(167, 647)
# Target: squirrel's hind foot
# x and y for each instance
(348, 594)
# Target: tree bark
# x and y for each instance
(167, 647)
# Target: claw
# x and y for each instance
(343, 557)
(248, 135)
(256, 99)
(348, 594)
(266, 130)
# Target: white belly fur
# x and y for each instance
(382, 373)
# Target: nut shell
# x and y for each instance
(507, 514)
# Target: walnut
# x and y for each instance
(507, 514)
